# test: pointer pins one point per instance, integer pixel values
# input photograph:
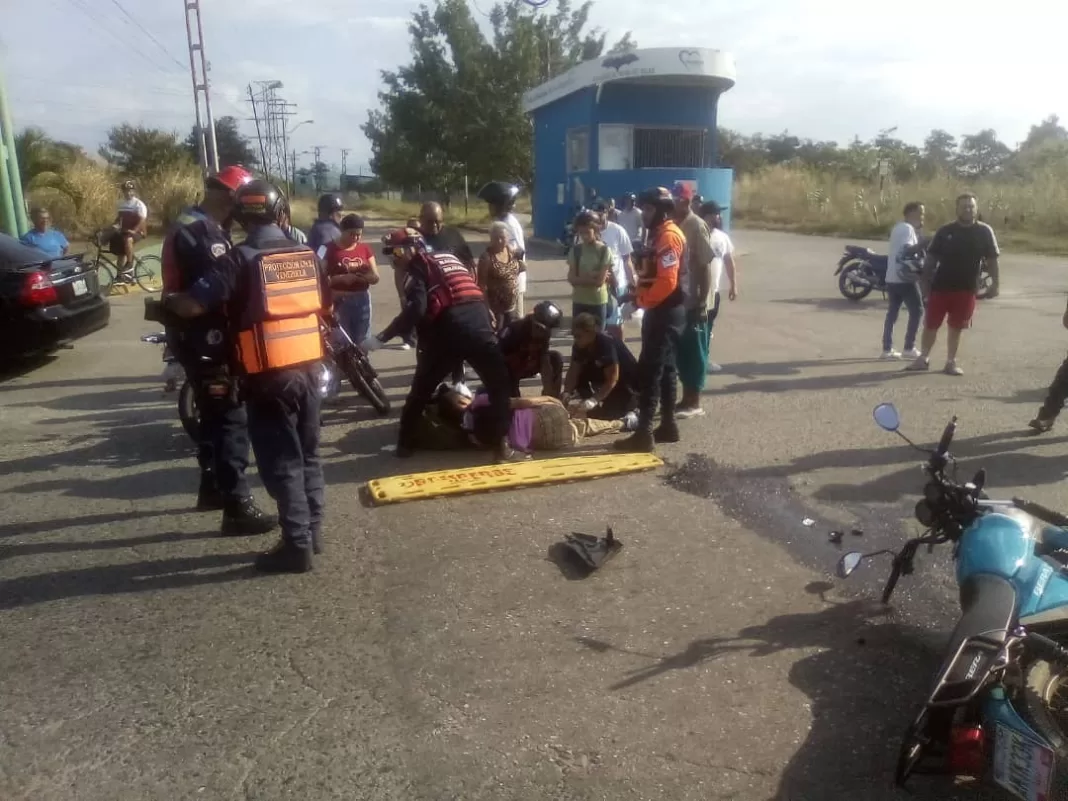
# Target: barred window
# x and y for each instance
(674, 147)
(578, 149)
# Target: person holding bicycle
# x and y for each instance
(129, 227)
(193, 249)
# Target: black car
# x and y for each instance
(45, 302)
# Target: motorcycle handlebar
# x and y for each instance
(947, 437)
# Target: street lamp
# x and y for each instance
(303, 122)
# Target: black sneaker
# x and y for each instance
(666, 432)
(638, 442)
(285, 557)
(209, 499)
(246, 519)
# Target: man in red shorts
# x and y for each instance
(951, 277)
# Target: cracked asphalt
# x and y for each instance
(436, 652)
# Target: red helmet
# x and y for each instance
(229, 178)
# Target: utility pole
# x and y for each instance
(344, 161)
(207, 146)
(315, 167)
(259, 133)
(12, 203)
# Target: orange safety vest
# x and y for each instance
(279, 325)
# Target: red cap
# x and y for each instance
(682, 191)
(229, 178)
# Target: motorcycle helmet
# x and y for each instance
(660, 203)
(257, 202)
(402, 238)
(548, 314)
(499, 193)
(330, 204)
(229, 179)
(128, 185)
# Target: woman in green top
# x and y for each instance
(589, 264)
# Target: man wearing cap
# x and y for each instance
(697, 283)
(193, 248)
(443, 301)
(723, 248)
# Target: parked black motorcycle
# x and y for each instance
(861, 270)
(352, 362)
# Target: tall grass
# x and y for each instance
(802, 199)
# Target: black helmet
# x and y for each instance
(258, 201)
(499, 193)
(662, 203)
(633, 198)
(330, 204)
(548, 314)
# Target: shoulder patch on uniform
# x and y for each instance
(669, 259)
(218, 250)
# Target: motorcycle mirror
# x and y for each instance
(886, 417)
(848, 563)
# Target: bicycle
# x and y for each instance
(147, 271)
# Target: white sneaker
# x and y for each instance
(714, 368)
(405, 346)
(952, 368)
(891, 354)
(911, 353)
(690, 411)
(630, 421)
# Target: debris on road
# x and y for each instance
(808, 521)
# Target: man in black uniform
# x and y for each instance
(273, 294)
(194, 247)
(443, 300)
(327, 228)
(603, 375)
(525, 345)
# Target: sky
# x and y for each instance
(821, 69)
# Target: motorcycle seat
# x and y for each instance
(859, 250)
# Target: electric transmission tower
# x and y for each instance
(271, 113)
(207, 147)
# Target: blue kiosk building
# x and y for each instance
(626, 122)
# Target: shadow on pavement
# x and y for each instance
(103, 401)
(146, 576)
(59, 523)
(864, 683)
(811, 383)
(758, 369)
(31, 549)
(838, 304)
(1030, 396)
(17, 368)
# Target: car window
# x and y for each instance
(14, 254)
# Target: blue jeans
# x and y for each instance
(897, 294)
(354, 314)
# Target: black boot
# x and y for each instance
(245, 518)
(667, 431)
(209, 499)
(285, 557)
(638, 442)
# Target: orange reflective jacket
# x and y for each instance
(279, 327)
(662, 266)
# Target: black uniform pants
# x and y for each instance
(662, 329)
(283, 424)
(551, 384)
(222, 449)
(1058, 394)
(463, 333)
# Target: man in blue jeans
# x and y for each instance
(901, 287)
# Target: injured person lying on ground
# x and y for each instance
(541, 423)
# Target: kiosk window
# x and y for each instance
(578, 149)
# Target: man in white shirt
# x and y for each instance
(723, 248)
(130, 224)
(630, 217)
(901, 287)
(619, 245)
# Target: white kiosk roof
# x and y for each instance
(692, 65)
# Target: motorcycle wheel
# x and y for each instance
(847, 284)
(986, 285)
(363, 379)
(1045, 695)
(187, 410)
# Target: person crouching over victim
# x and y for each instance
(443, 300)
(602, 379)
(525, 345)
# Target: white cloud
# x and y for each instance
(827, 69)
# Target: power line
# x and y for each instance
(147, 33)
(62, 82)
(79, 4)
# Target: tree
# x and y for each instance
(939, 152)
(137, 150)
(981, 154)
(42, 160)
(1049, 130)
(234, 147)
(457, 108)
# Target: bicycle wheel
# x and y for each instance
(148, 272)
(105, 277)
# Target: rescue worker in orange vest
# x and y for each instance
(274, 293)
(660, 294)
(193, 246)
(443, 301)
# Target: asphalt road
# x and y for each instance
(436, 652)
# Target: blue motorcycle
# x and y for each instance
(999, 707)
